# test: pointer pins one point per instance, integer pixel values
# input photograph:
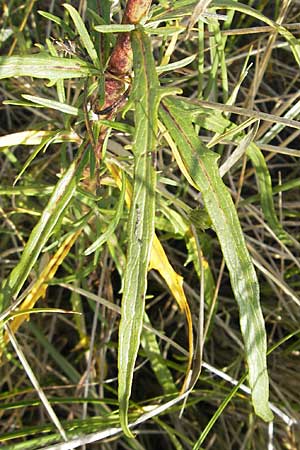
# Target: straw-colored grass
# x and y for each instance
(150, 225)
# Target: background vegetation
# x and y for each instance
(78, 213)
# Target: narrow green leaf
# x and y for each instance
(83, 33)
(176, 65)
(61, 94)
(273, 132)
(218, 41)
(201, 164)
(43, 146)
(115, 28)
(51, 17)
(63, 107)
(44, 66)
(113, 224)
(165, 31)
(141, 218)
(36, 137)
(38, 190)
(214, 121)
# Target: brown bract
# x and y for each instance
(136, 10)
(114, 89)
(119, 70)
(120, 63)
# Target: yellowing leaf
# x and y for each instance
(159, 261)
(39, 288)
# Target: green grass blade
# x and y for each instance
(181, 8)
(236, 6)
(201, 164)
(141, 218)
(219, 42)
(35, 383)
(44, 66)
(273, 132)
(113, 224)
(60, 360)
(43, 146)
(57, 204)
(157, 361)
(217, 414)
(266, 193)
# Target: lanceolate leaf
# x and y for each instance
(159, 261)
(201, 164)
(141, 218)
(113, 224)
(214, 121)
(84, 34)
(44, 66)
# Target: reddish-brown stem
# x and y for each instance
(120, 63)
(118, 71)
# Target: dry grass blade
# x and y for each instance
(199, 10)
(250, 113)
(173, 215)
(35, 383)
